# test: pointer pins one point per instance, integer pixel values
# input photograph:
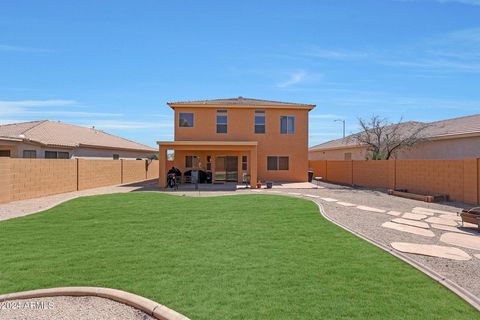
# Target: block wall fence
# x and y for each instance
(32, 178)
(459, 179)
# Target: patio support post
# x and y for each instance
(253, 167)
(162, 172)
(212, 161)
(239, 169)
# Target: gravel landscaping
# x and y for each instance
(85, 308)
(464, 273)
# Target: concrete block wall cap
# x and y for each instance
(148, 306)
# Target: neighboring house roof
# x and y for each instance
(455, 127)
(239, 102)
(60, 134)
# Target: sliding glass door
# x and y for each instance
(226, 168)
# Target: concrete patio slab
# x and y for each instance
(451, 253)
(329, 199)
(365, 208)
(461, 240)
(446, 222)
(412, 223)
(394, 213)
(346, 204)
(409, 229)
(413, 216)
(433, 210)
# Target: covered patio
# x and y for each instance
(225, 161)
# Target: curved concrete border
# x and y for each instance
(148, 306)
(466, 295)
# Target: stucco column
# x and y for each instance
(253, 167)
(212, 161)
(239, 169)
(162, 171)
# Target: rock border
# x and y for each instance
(152, 308)
(466, 295)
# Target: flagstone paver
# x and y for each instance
(432, 250)
(365, 208)
(394, 213)
(447, 222)
(409, 229)
(448, 228)
(412, 223)
(428, 213)
(346, 204)
(329, 199)
(450, 216)
(413, 216)
(477, 255)
(311, 195)
(433, 210)
(461, 240)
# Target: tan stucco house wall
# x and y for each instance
(241, 131)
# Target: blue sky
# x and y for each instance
(115, 64)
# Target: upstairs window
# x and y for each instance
(259, 121)
(222, 121)
(185, 119)
(287, 124)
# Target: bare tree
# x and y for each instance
(383, 139)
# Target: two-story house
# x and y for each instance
(267, 140)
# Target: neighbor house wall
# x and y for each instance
(17, 147)
(437, 149)
(446, 149)
(241, 128)
(356, 153)
(107, 154)
(459, 179)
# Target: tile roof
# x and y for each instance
(436, 129)
(57, 133)
(241, 101)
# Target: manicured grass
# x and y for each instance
(237, 257)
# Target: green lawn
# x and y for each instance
(236, 257)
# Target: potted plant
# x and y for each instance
(259, 185)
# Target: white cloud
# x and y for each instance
(14, 48)
(36, 103)
(295, 78)
(335, 54)
(470, 2)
